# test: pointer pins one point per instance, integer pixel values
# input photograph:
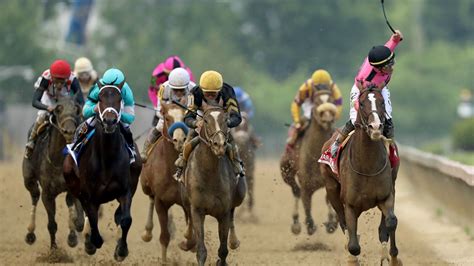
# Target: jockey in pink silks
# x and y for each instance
(160, 75)
(376, 71)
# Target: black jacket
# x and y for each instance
(230, 104)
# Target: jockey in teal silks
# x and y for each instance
(112, 76)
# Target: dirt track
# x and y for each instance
(423, 238)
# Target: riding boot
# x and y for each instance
(182, 160)
(127, 133)
(293, 136)
(30, 145)
(388, 129)
(152, 137)
(234, 156)
(348, 127)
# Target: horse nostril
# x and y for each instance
(215, 143)
(175, 140)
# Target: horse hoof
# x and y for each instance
(311, 229)
(354, 250)
(234, 244)
(220, 263)
(147, 236)
(30, 238)
(97, 241)
(72, 239)
(79, 225)
(121, 252)
(186, 245)
(330, 227)
(89, 247)
(296, 228)
(53, 246)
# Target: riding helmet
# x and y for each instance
(321, 76)
(380, 55)
(60, 69)
(179, 78)
(112, 76)
(211, 81)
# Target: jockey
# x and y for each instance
(160, 75)
(175, 89)
(112, 76)
(86, 75)
(320, 80)
(214, 91)
(245, 102)
(376, 71)
(54, 83)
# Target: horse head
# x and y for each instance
(371, 114)
(324, 110)
(174, 128)
(214, 129)
(66, 117)
(110, 107)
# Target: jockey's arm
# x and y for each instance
(37, 95)
(300, 97)
(128, 112)
(194, 99)
(92, 99)
(336, 94)
(231, 106)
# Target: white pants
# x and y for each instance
(355, 92)
(46, 100)
(307, 106)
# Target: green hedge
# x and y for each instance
(463, 135)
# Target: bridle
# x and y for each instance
(110, 109)
(209, 137)
(363, 121)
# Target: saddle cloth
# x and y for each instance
(333, 163)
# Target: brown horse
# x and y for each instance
(247, 144)
(302, 161)
(45, 167)
(105, 173)
(157, 176)
(366, 180)
(211, 186)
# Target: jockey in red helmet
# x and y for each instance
(54, 83)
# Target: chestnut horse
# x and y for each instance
(302, 161)
(157, 177)
(45, 167)
(105, 173)
(211, 185)
(366, 179)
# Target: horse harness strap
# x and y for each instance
(364, 174)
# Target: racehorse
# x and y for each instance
(157, 177)
(302, 161)
(104, 172)
(211, 185)
(247, 144)
(45, 167)
(365, 178)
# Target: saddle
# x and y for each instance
(326, 158)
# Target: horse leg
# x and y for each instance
(79, 222)
(306, 196)
(121, 250)
(224, 224)
(351, 219)
(234, 241)
(288, 172)
(72, 237)
(49, 203)
(190, 242)
(333, 190)
(32, 185)
(165, 236)
(147, 235)
(383, 238)
(331, 224)
(198, 225)
(390, 224)
(93, 239)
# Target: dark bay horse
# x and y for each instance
(45, 167)
(366, 179)
(211, 186)
(157, 177)
(302, 162)
(105, 172)
(247, 145)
